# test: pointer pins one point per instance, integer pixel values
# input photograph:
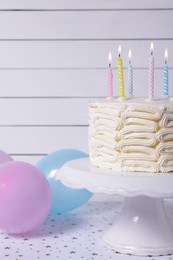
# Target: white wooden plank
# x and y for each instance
(33, 159)
(53, 83)
(79, 54)
(43, 111)
(86, 25)
(42, 140)
(82, 4)
(73, 83)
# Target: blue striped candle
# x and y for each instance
(165, 75)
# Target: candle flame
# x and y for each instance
(166, 55)
(130, 55)
(119, 50)
(152, 47)
(110, 58)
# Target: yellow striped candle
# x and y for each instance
(120, 74)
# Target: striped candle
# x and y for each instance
(151, 72)
(130, 75)
(165, 75)
(110, 76)
(120, 74)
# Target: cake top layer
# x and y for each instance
(136, 101)
(150, 109)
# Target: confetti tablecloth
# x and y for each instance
(76, 235)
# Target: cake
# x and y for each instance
(132, 135)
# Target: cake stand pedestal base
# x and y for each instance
(142, 228)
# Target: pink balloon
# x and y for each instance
(25, 197)
(4, 157)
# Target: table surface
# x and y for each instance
(76, 235)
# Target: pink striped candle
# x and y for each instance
(151, 72)
(110, 76)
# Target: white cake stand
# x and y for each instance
(143, 227)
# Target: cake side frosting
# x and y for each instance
(131, 135)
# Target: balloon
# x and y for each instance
(25, 197)
(64, 198)
(4, 157)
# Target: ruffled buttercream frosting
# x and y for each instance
(131, 135)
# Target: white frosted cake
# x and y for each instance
(131, 135)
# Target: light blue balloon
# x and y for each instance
(64, 198)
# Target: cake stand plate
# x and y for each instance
(143, 227)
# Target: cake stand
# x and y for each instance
(143, 227)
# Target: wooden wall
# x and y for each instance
(53, 61)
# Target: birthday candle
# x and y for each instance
(120, 74)
(130, 75)
(165, 75)
(110, 76)
(151, 72)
